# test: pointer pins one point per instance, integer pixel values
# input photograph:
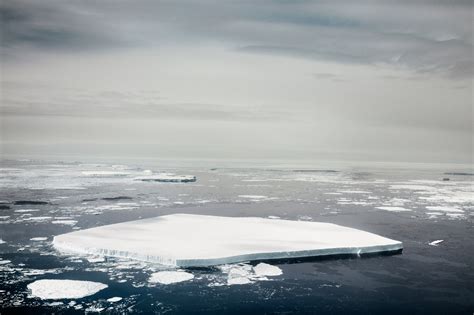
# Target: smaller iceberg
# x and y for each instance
(167, 178)
(52, 289)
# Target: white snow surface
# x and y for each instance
(50, 289)
(200, 240)
(168, 277)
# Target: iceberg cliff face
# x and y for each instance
(199, 240)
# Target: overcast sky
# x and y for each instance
(310, 80)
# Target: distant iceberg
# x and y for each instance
(167, 178)
(188, 240)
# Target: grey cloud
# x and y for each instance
(112, 104)
(424, 36)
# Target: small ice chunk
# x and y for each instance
(26, 210)
(393, 209)
(252, 196)
(4, 262)
(38, 218)
(273, 217)
(114, 299)
(168, 277)
(95, 259)
(246, 274)
(263, 269)
(104, 173)
(435, 243)
(38, 239)
(52, 289)
(444, 209)
(65, 222)
(354, 191)
(2, 241)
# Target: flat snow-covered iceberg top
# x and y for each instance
(199, 240)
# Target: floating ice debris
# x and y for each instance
(104, 173)
(455, 215)
(393, 209)
(355, 192)
(435, 243)
(252, 196)
(65, 222)
(167, 178)
(263, 269)
(95, 259)
(37, 272)
(445, 209)
(114, 299)
(49, 289)
(168, 277)
(201, 240)
(413, 187)
(4, 262)
(246, 274)
(238, 273)
(4, 217)
(94, 309)
(38, 239)
(25, 210)
(38, 218)
(273, 217)
(117, 198)
(2, 241)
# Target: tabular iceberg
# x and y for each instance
(167, 178)
(188, 240)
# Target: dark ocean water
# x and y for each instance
(424, 279)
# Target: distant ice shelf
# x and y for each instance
(167, 178)
(188, 240)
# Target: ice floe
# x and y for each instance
(253, 196)
(263, 269)
(201, 240)
(114, 299)
(168, 277)
(167, 178)
(52, 289)
(65, 222)
(104, 173)
(435, 243)
(445, 209)
(244, 273)
(38, 239)
(394, 209)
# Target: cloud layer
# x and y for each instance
(424, 36)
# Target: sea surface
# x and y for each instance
(416, 205)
